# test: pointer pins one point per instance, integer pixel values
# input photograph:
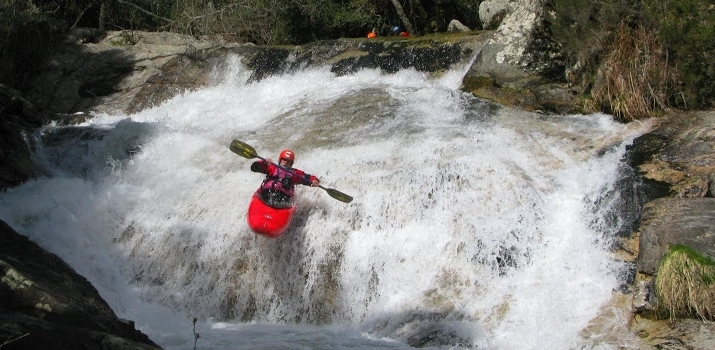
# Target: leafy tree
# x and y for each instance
(27, 33)
(687, 29)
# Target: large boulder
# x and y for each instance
(516, 67)
(45, 304)
(670, 221)
(106, 71)
(492, 12)
(676, 162)
(687, 158)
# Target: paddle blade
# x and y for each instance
(243, 150)
(338, 195)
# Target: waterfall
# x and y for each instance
(473, 226)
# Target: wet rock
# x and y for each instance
(45, 304)
(644, 299)
(640, 153)
(131, 71)
(687, 162)
(679, 334)
(17, 121)
(670, 221)
(675, 163)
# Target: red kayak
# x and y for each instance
(270, 213)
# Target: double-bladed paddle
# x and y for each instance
(246, 151)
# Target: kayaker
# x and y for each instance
(278, 187)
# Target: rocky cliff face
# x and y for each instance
(517, 64)
(45, 304)
(676, 164)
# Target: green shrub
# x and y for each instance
(28, 35)
(675, 33)
(685, 27)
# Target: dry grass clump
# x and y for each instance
(685, 284)
(636, 80)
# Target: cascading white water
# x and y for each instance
(473, 226)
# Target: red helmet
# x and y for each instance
(287, 155)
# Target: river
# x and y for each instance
(473, 226)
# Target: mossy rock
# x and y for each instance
(472, 83)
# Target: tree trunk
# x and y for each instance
(101, 15)
(403, 16)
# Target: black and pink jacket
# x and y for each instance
(279, 179)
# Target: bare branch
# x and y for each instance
(403, 16)
(13, 339)
(145, 11)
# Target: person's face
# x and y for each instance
(285, 163)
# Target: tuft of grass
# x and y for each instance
(685, 284)
(636, 80)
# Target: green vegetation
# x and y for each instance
(685, 284)
(258, 21)
(639, 57)
(687, 28)
(25, 30)
(635, 80)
